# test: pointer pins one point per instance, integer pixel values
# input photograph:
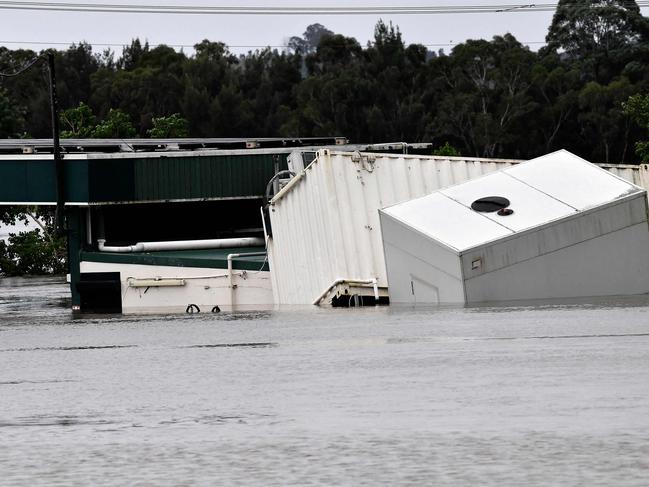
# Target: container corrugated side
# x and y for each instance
(636, 174)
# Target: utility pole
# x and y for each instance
(56, 149)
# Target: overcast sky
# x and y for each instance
(21, 27)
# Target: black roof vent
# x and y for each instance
(490, 204)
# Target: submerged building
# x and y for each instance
(199, 200)
(207, 224)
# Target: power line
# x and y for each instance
(21, 70)
(272, 10)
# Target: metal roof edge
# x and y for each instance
(337, 151)
(43, 157)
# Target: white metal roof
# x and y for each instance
(573, 180)
(540, 191)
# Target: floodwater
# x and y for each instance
(554, 394)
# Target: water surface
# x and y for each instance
(537, 394)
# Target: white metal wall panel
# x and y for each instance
(326, 224)
(583, 270)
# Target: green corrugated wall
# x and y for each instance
(25, 179)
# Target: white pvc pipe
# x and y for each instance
(183, 245)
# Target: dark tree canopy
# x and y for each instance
(601, 33)
(489, 98)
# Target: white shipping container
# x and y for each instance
(562, 219)
(325, 222)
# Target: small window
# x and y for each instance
(490, 204)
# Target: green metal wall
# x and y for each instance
(25, 179)
(202, 177)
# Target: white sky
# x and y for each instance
(21, 27)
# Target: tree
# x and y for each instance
(603, 123)
(487, 95)
(132, 54)
(602, 34)
(35, 252)
(28, 92)
(310, 39)
(116, 125)
(12, 117)
(172, 126)
(446, 150)
(78, 122)
(637, 107)
(555, 87)
(206, 74)
(75, 68)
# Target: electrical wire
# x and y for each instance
(272, 10)
(20, 71)
(266, 10)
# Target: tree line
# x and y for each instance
(486, 98)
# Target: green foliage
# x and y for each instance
(310, 40)
(637, 107)
(642, 149)
(32, 253)
(172, 126)
(11, 116)
(488, 95)
(78, 122)
(116, 125)
(35, 252)
(81, 123)
(602, 35)
(446, 150)
(602, 118)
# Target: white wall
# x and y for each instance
(420, 269)
(612, 264)
(204, 287)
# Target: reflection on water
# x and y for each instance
(230, 345)
(520, 394)
(67, 349)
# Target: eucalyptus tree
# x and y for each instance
(602, 35)
(486, 97)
